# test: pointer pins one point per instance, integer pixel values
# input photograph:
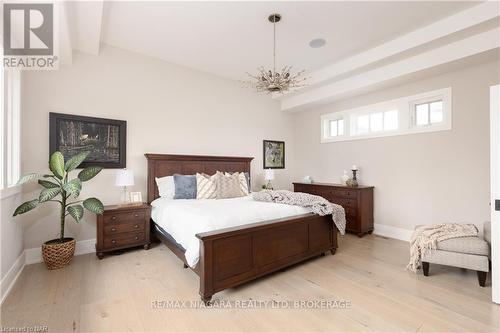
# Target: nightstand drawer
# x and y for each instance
(121, 240)
(124, 217)
(127, 226)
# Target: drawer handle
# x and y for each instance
(113, 229)
(136, 226)
(136, 215)
(113, 218)
(113, 241)
(136, 237)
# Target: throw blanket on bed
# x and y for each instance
(426, 237)
(313, 203)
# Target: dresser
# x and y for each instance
(121, 227)
(357, 202)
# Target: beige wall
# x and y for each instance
(421, 178)
(169, 109)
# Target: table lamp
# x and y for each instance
(269, 176)
(124, 178)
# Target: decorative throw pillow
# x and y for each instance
(206, 186)
(247, 177)
(185, 186)
(228, 185)
(166, 187)
(242, 178)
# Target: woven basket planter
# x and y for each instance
(57, 255)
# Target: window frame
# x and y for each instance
(406, 117)
(10, 122)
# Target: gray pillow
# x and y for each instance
(247, 176)
(185, 186)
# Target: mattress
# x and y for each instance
(183, 219)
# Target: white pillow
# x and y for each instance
(166, 187)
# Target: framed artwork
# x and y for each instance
(135, 197)
(274, 154)
(106, 139)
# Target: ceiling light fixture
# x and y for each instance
(272, 81)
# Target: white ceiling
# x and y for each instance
(230, 38)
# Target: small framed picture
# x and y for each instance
(135, 197)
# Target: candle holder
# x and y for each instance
(353, 182)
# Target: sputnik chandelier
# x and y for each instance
(271, 81)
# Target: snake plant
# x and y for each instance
(57, 187)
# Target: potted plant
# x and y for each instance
(57, 187)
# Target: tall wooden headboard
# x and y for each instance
(161, 165)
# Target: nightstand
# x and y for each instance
(121, 227)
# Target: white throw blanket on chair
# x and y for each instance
(426, 237)
(313, 203)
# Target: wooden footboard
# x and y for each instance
(233, 256)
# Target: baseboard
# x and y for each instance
(392, 232)
(10, 278)
(34, 255)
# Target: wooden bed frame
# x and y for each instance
(232, 256)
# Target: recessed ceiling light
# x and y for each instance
(317, 43)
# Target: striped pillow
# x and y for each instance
(228, 185)
(243, 182)
(206, 186)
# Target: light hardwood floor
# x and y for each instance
(116, 294)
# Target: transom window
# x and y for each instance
(425, 112)
(375, 122)
(337, 127)
(429, 113)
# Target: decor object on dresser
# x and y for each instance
(353, 182)
(232, 256)
(450, 244)
(357, 202)
(105, 139)
(57, 253)
(121, 227)
(272, 81)
(345, 177)
(308, 179)
(274, 154)
(269, 175)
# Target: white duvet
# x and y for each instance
(183, 219)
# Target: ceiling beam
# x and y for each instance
(441, 55)
(460, 21)
(86, 25)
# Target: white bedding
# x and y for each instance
(183, 219)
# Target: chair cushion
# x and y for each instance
(470, 245)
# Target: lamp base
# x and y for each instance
(125, 197)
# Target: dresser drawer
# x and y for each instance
(125, 226)
(350, 212)
(346, 203)
(345, 193)
(121, 240)
(124, 217)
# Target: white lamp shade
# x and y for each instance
(269, 174)
(124, 177)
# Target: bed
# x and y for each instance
(234, 255)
